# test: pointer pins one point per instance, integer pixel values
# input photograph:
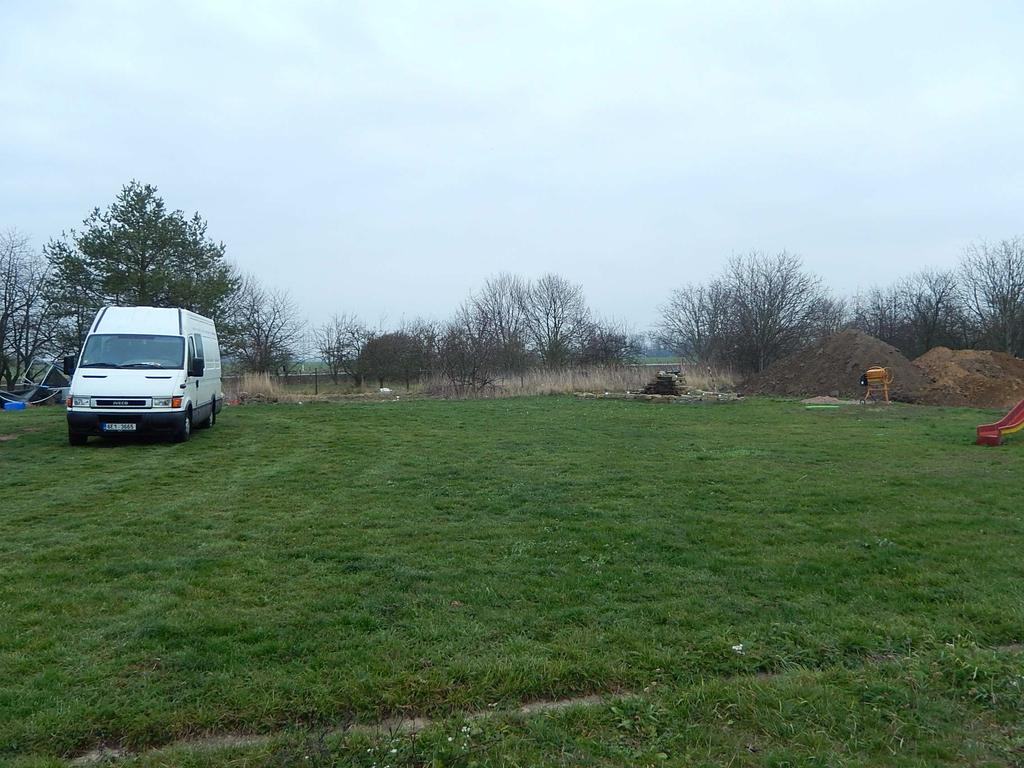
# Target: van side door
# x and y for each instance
(203, 393)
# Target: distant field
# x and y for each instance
(746, 584)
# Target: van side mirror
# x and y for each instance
(69, 365)
(197, 367)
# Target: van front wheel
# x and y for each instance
(77, 438)
(185, 430)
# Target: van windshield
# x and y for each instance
(133, 350)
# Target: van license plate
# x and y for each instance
(108, 427)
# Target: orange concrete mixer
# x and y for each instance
(876, 380)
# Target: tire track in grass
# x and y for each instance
(393, 726)
(408, 726)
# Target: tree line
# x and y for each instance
(509, 326)
(765, 306)
(138, 252)
(761, 307)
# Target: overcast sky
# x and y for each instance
(385, 158)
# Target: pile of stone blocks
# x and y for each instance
(667, 383)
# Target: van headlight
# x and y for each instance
(161, 402)
(80, 402)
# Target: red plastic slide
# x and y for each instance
(993, 434)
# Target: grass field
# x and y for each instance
(744, 584)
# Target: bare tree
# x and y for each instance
(35, 324)
(402, 355)
(830, 314)
(466, 355)
(695, 322)
(934, 313)
(882, 313)
(340, 342)
(263, 328)
(607, 342)
(776, 307)
(557, 317)
(501, 310)
(992, 279)
(421, 359)
(13, 255)
(28, 322)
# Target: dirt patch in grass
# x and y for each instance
(15, 435)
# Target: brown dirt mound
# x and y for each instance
(834, 365)
(983, 378)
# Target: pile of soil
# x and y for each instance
(983, 378)
(834, 366)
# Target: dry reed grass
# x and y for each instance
(258, 384)
(261, 387)
(597, 379)
(709, 378)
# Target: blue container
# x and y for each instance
(14, 406)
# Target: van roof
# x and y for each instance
(156, 320)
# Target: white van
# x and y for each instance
(145, 369)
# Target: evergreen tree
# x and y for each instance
(136, 252)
